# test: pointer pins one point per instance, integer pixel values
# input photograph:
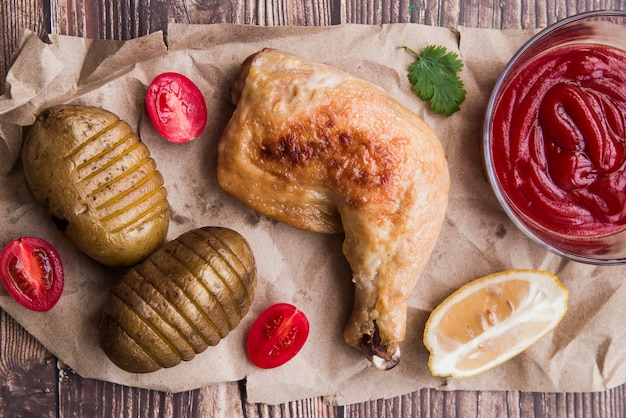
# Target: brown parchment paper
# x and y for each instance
(585, 353)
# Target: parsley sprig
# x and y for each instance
(434, 76)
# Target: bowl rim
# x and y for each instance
(486, 139)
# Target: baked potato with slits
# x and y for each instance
(98, 183)
(186, 296)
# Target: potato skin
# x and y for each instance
(186, 296)
(98, 182)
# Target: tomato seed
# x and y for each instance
(289, 337)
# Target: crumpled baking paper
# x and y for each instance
(584, 353)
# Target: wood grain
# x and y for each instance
(275, 13)
(111, 19)
(27, 373)
(34, 384)
(92, 398)
(32, 15)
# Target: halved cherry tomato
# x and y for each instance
(176, 107)
(32, 272)
(277, 335)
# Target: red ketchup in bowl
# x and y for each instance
(558, 140)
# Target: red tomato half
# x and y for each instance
(277, 335)
(176, 107)
(32, 273)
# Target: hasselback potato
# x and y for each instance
(98, 183)
(186, 296)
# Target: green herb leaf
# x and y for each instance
(434, 78)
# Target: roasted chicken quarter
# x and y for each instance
(324, 151)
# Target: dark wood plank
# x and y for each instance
(126, 19)
(114, 19)
(307, 408)
(93, 398)
(32, 15)
(28, 375)
(274, 13)
(511, 14)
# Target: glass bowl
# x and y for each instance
(554, 141)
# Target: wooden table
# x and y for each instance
(34, 383)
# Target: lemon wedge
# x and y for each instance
(492, 319)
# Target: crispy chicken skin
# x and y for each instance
(321, 150)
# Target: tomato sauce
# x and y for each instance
(559, 140)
